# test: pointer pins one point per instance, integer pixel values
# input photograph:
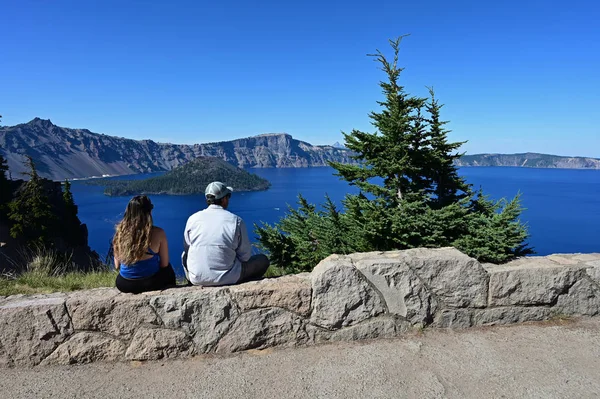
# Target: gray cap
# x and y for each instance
(217, 189)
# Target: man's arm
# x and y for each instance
(186, 247)
(244, 249)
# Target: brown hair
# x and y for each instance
(134, 232)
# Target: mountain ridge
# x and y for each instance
(529, 160)
(62, 153)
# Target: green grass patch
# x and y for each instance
(33, 282)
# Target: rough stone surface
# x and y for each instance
(262, 328)
(106, 310)
(289, 292)
(531, 283)
(378, 327)
(455, 279)
(204, 314)
(342, 296)
(358, 296)
(87, 347)
(583, 299)
(404, 293)
(464, 318)
(159, 343)
(593, 271)
(30, 329)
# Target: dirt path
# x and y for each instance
(547, 360)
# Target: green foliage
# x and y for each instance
(43, 270)
(31, 214)
(5, 187)
(411, 194)
(70, 222)
(191, 178)
(494, 231)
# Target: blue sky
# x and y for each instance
(514, 75)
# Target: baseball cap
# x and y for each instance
(217, 189)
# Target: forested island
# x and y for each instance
(190, 178)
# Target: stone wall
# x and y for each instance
(359, 296)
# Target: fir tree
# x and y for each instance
(5, 187)
(411, 193)
(71, 223)
(391, 153)
(449, 187)
(30, 212)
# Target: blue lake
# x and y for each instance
(563, 206)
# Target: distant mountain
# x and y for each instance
(338, 145)
(529, 160)
(191, 178)
(74, 153)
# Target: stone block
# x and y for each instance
(288, 292)
(205, 315)
(582, 299)
(455, 279)
(404, 293)
(377, 327)
(263, 328)
(341, 295)
(159, 343)
(106, 310)
(530, 283)
(87, 347)
(32, 328)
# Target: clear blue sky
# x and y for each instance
(514, 75)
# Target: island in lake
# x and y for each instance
(190, 178)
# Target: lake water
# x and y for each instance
(563, 206)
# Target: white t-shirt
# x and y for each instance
(217, 243)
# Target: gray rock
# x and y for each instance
(105, 310)
(262, 328)
(510, 315)
(204, 314)
(464, 318)
(288, 292)
(31, 329)
(535, 282)
(341, 295)
(455, 279)
(404, 293)
(454, 318)
(159, 343)
(377, 327)
(583, 299)
(593, 271)
(87, 347)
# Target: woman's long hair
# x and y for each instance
(134, 232)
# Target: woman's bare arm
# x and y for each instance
(163, 251)
(117, 264)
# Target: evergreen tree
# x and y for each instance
(71, 223)
(393, 152)
(5, 187)
(411, 193)
(30, 212)
(449, 187)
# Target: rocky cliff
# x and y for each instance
(73, 153)
(358, 296)
(529, 160)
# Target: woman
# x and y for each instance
(141, 250)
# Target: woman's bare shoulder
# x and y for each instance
(158, 232)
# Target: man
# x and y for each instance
(217, 250)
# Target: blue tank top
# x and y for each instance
(141, 269)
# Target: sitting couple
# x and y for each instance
(217, 250)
